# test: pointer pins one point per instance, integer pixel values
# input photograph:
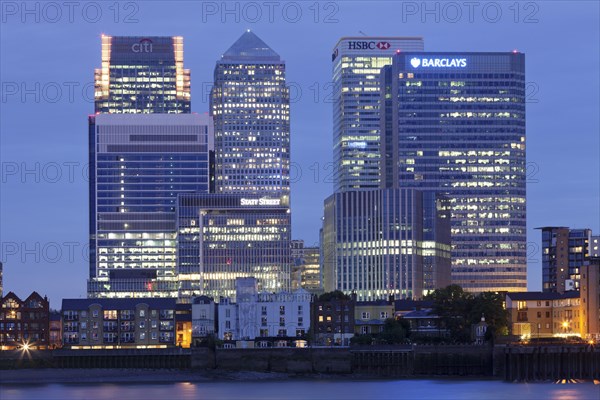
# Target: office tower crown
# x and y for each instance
(250, 47)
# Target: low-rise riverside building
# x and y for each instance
(547, 314)
(203, 317)
(55, 330)
(370, 316)
(265, 318)
(332, 319)
(24, 323)
(119, 323)
(543, 314)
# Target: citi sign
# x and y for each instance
(366, 45)
(438, 62)
(144, 46)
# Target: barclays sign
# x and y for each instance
(417, 62)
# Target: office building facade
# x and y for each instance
(222, 237)
(454, 123)
(357, 62)
(250, 105)
(379, 243)
(138, 165)
(564, 253)
(141, 75)
(306, 267)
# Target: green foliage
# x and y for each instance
(336, 294)
(459, 310)
(361, 339)
(490, 305)
(394, 331)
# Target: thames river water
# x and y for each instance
(314, 390)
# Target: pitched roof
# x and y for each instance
(250, 47)
(406, 305)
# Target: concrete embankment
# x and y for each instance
(509, 362)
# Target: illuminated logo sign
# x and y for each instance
(263, 201)
(357, 145)
(368, 45)
(438, 62)
(144, 46)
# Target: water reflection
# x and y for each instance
(296, 390)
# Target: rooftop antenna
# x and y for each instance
(362, 33)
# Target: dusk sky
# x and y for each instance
(47, 61)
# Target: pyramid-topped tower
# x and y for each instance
(250, 47)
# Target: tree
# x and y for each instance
(491, 306)
(336, 294)
(394, 331)
(365, 339)
(452, 305)
(458, 310)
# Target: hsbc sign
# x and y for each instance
(368, 45)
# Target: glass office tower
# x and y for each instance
(386, 242)
(357, 62)
(250, 105)
(245, 226)
(306, 267)
(141, 75)
(455, 123)
(138, 165)
(222, 237)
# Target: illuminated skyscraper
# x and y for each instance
(357, 62)
(383, 242)
(222, 237)
(244, 228)
(251, 108)
(455, 123)
(142, 75)
(138, 165)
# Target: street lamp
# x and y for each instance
(565, 325)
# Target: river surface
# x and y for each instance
(314, 390)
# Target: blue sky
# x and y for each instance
(48, 54)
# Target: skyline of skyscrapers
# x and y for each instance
(451, 126)
(455, 123)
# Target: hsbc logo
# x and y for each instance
(144, 46)
(368, 45)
